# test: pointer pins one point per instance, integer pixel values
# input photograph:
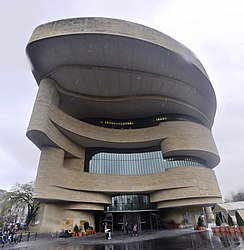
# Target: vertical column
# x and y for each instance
(164, 165)
(51, 156)
(209, 215)
(51, 160)
(47, 95)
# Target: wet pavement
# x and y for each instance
(152, 240)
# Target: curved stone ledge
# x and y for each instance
(147, 100)
(100, 68)
(161, 186)
(207, 201)
(94, 25)
(177, 138)
(81, 199)
(100, 58)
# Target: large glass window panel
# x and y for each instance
(130, 202)
(138, 163)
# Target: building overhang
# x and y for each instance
(102, 58)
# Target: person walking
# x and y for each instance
(126, 227)
(106, 230)
(28, 236)
(20, 237)
(134, 232)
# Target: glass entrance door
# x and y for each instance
(131, 219)
(144, 221)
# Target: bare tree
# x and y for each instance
(19, 203)
(238, 196)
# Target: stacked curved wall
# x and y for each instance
(122, 110)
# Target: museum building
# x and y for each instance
(123, 119)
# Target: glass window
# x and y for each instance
(140, 123)
(130, 202)
(138, 163)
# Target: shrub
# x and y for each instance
(239, 219)
(76, 228)
(218, 221)
(200, 221)
(230, 221)
(86, 225)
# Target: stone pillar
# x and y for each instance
(51, 159)
(51, 156)
(209, 215)
(46, 97)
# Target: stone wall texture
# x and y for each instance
(71, 195)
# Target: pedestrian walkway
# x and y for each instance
(47, 241)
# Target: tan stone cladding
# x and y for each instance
(56, 218)
(85, 70)
(177, 183)
(175, 137)
(41, 129)
(111, 26)
(61, 178)
(77, 192)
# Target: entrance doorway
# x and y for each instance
(120, 219)
(144, 220)
(131, 219)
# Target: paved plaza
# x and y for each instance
(150, 240)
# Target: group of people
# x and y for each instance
(108, 232)
(11, 236)
(134, 229)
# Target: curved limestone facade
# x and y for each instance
(123, 115)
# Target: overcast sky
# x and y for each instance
(212, 29)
